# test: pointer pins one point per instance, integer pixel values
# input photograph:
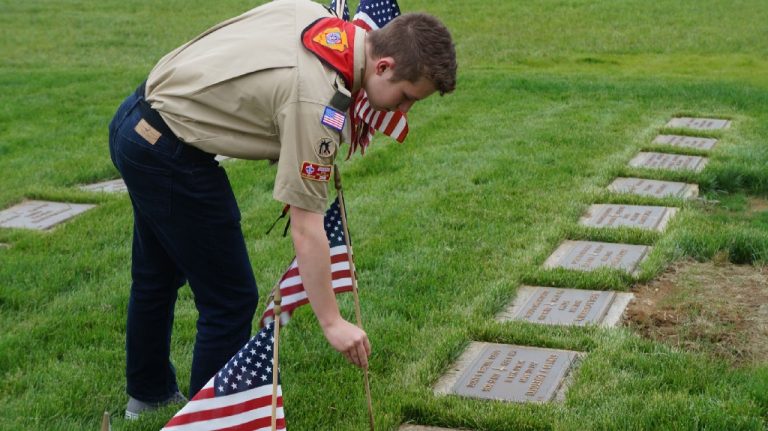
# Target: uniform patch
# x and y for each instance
(316, 171)
(333, 119)
(334, 38)
(326, 147)
(149, 133)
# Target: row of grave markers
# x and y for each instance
(509, 372)
(515, 373)
(44, 215)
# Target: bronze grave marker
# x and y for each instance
(40, 215)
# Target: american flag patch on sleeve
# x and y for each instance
(333, 119)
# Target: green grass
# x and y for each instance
(551, 104)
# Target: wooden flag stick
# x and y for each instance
(105, 425)
(353, 272)
(340, 8)
(277, 297)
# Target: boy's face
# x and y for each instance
(386, 94)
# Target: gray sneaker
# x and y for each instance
(136, 407)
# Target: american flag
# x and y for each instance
(345, 15)
(239, 396)
(291, 286)
(333, 118)
(375, 14)
(372, 15)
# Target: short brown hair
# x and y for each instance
(421, 46)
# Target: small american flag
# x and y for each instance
(345, 14)
(334, 118)
(372, 15)
(239, 396)
(291, 286)
(375, 14)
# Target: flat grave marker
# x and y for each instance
(654, 188)
(40, 215)
(509, 373)
(563, 306)
(590, 255)
(614, 215)
(699, 123)
(671, 162)
(112, 186)
(686, 141)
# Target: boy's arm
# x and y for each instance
(313, 257)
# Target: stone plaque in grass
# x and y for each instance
(670, 162)
(509, 373)
(561, 306)
(699, 123)
(686, 141)
(590, 255)
(615, 215)
(113, 186)
(654, 188)
(40, 215)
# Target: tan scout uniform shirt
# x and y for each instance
(248, 88)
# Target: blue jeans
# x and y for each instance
(186, 227)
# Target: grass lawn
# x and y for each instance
(554, 98)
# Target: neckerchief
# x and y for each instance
(332, 40)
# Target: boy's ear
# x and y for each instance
(383, 64)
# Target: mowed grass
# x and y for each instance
(554, 98)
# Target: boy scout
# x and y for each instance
(272, 84)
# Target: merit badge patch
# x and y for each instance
(333, 118)
(316, 172)
(326, 147)
(334, 38)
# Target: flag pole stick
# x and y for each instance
(353, 272)
(278, 299)
(340, 8)
(105, 425)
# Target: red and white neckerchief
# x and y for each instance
(332, 41)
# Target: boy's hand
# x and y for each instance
(350, 340)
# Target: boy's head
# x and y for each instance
(409, 59)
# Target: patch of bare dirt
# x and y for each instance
(714, 307)
(757, 205)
